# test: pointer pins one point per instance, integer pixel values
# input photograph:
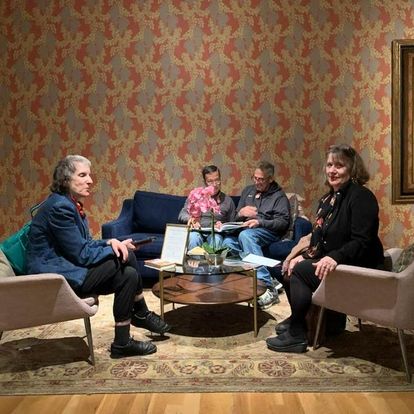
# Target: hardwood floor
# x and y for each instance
(213, 403)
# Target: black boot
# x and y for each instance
(285, 342)
(282, 326)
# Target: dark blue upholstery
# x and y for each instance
(148, 213)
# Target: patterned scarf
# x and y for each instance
(328, 205)
(79, 207)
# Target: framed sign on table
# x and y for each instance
(402, 129)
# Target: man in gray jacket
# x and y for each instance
(265, 211)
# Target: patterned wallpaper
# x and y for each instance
(151, 91)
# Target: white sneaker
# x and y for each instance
(268, 299)
(278, 286)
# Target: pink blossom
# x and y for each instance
(200, 200)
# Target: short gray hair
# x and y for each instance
(267, 168)
(63, 172)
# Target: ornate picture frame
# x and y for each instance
(402, 127)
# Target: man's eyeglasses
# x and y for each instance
(259, 179)
(212, 182)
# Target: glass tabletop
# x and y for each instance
(200, 266)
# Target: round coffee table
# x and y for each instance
(197, 283)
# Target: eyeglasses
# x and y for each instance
(212, 182)
(259, 179)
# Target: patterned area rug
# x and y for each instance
(210, 349)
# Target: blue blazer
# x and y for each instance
(60, 242)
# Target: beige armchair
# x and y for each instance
(33, 300)
(382, 297)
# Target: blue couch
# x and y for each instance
(148, 213)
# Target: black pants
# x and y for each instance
(299, 288)
(113, 276)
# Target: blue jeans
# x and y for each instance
(252, 241)
(197, 239)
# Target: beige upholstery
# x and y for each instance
(5, 269)
(379, 296)
(34, 300)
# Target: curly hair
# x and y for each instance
(63, 172)
(352, 160)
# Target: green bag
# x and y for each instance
(15, 246)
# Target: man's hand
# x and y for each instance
(251, 224)
(194, 223)
(248, 211)
(218, 225)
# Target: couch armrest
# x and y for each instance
(122, 225)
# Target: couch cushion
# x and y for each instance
(152, 211)
(404, 260)
(5, 269)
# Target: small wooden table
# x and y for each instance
(209, 285)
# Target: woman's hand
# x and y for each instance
(120, 248)
(291, 264)
(324, 266)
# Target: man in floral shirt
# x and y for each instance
(225, 213)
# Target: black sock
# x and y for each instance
(141, 308)
(121, 334)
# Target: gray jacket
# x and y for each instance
(227, 211)
(273, 208)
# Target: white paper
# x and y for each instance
(261, 260)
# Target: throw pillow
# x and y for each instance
(405, 259)
(5, 268)
(294, 212)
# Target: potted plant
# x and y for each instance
(200, 200)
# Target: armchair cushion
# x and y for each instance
(5, 269)
(404, 260)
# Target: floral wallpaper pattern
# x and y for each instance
(151, 91)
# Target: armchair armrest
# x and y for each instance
(358, 291)
(122, 225)
(48, 298)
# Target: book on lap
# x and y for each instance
(226, 227)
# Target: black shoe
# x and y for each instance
(282, 326)
(152, 322)
(132, 348)
(285, 342)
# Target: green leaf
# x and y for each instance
(211, 250)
